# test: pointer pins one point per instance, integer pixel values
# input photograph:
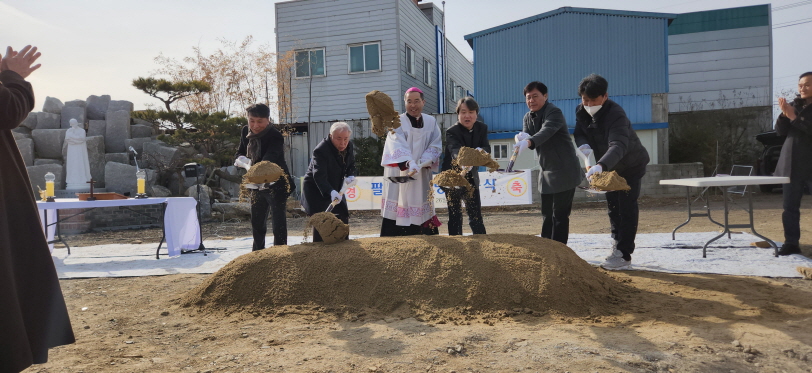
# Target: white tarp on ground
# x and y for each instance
(655, 252)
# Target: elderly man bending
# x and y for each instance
(331, 168)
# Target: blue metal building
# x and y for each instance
(559, 48)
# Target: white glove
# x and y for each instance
(243, 161)
(350, 181)
(521, 145)
(596, 169)
(414, 167)
(585, 149)
(521, 136)
(334, 195)
(479, 149)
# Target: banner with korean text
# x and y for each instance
(495, 189)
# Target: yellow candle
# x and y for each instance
(141, 186)
(49, 188)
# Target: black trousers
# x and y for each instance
(261, 203)
(389, 228)
(623, 217)
(792, 209)
(555, 214)
(473, 206)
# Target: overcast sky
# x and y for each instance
(99, 46)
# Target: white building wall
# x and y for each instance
(720, 69)
(303, 24)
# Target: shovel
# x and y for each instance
(509, 169)
(587, 164)
(247, 166)
(407, 178)
(337, 200)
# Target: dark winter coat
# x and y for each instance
(326, 172)
(796, 154)
(610, 135)
(33, 316)
(458, 136)
(273, 150)
(550, 138)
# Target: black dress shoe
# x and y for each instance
(789, 248)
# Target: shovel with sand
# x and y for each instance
(330, 228)
(509, 169)
(407, 178)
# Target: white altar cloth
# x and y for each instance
(180, 219)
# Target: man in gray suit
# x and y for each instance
(545, 131)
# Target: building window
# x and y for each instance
(500, 151)
(409, 61)
(309, 62)
(452, 92)
(427, 72)
(365, 57)
(460, 93)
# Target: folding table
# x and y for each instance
(725, 181)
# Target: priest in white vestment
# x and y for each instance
(416, 145)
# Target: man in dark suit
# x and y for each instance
(795, 122)
(468, 132)
(260, 141)
(331, 168)
(545, 131)
(601, 126)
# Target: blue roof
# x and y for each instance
(568, 9)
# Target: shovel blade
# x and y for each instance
(400, 179)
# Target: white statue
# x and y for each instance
(78, 165)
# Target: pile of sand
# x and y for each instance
(382, 113)
(472, 157)
(419, 274)
(331, 228)
(450, 178)
(608, 181)
(263, 172)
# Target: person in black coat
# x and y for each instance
(470, 133)
(545, 131)
(260, 141)
(33, 315)
(331, 168)
(601, 126)
(795, 162)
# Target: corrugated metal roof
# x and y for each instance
(721, 19)
(508, 117)
(560, 50)
(567, 9)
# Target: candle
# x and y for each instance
(49, 184)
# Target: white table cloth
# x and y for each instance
(180, 219)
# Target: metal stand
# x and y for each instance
(59, 235)
(727, 226)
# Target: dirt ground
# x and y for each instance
(677, 323)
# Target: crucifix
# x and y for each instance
(91, 182)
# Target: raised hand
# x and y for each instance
(21, 62)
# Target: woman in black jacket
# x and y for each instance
(332, 167)
(473, 134)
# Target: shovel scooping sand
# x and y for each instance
(330, 228)
(263, 172)
(382, 113)
(450, 178)
(470, 157)
(608, 181)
